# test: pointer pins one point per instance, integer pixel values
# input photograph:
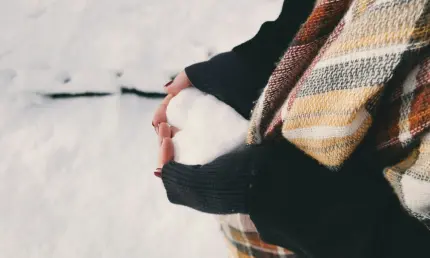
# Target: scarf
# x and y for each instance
(355, 69)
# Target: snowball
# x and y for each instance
(209, 127)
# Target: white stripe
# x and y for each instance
(405, 136)
(325, 132)
(231, 254)
(377, 2)
(416, 195)
(361, 55)
(258, 110)
(281, 252)
(425, 138)
(408, 87)
(410, 83)
(348, 16)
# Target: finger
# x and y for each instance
(166, 152)
(159, 117)
(164, 131)
(160, 113)
(167, 99)
(180, 82)
(174, 131)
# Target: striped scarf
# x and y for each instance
(354, 66)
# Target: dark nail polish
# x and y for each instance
(167, 84)
(157, 173)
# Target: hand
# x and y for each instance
(180, 82)
(165, 131)
(166, 152)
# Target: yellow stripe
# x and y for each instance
(362, 32)
(394, 174)
(332, 159)
(337, 155)
(345, 100)
(382, 39)
(406, 163)
(361, 7)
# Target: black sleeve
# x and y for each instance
(237, 77)
(220, 187)
(299, 204)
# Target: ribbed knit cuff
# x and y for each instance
(210, 190)
(220, 187)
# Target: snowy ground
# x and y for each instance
(76, 174)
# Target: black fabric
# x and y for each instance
(220, 187)
(335, 216)
(311, 210)
(237, 77)
(328, 215)
(227, 78)
(401, 235)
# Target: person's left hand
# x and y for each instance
(166, 151)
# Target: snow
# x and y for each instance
(197, 115)
(76, 174)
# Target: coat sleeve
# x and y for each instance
(237, 77)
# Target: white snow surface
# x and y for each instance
(76, 174)
(208, 127)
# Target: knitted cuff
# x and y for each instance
(220, 187)
(211, 190)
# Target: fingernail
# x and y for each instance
(157, 173)
(167, 84)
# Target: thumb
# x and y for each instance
(180, 82)
(166, 152)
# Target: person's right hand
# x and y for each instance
(180, 82)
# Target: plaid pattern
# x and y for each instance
(411, 181)
(248, 244)
(327, 91)
(409, 120)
